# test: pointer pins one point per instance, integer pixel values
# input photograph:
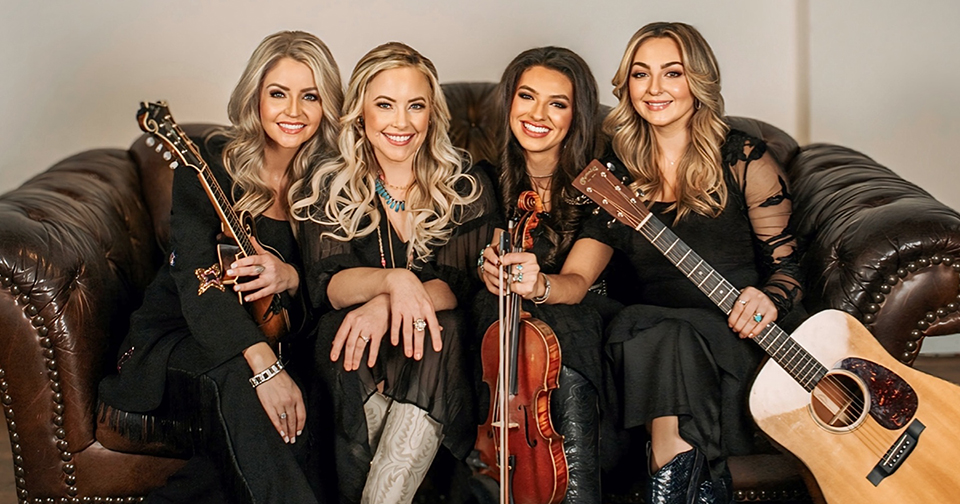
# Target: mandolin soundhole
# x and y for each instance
(840, 401)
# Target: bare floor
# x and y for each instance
(944, 367)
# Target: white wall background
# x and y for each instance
(876, 75)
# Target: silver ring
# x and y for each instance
(742, 302)
(365, 338)
(259, 268)
(518, 277)
(283, 416)
(419, 324)
(757, 317)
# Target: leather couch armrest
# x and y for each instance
(76, 251)
(876, 246)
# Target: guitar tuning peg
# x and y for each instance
(151, 141)
(610, 224)
(159, 147)
(596, 211)
(174, 165)
(611, 167)
(167, 156)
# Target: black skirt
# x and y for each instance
(438, 383)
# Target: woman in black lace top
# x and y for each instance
(389, 230)
(676, 361)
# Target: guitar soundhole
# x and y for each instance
(840, 401)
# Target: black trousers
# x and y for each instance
(242, 457)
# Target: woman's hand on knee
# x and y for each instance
(283, 402)
(364, 325)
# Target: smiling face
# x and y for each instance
(658, 85)
(290, 109)
(396, 115)
(542, 111)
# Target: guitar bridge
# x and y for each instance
(897, 453)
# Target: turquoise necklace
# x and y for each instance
(394, 204)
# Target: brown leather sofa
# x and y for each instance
(80, 241)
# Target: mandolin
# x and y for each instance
(238, 227)
(868, 427)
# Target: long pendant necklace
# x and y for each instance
(394, 204)
(383, 258)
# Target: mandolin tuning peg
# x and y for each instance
(610, 224)
(596, 211)
(611, 167)
(167, 156)
(151, 141)
(159, 147)
(174, 165)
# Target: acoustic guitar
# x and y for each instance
(868, 427)
(238, 227)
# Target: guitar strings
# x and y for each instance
(833, 388)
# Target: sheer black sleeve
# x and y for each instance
(456, 261)
(323, 257)
(768, 205)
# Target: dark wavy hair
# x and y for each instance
(581, 144)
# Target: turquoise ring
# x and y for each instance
(757, 317)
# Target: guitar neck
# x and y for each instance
(613, 196)
(228, 217)
(231, 221)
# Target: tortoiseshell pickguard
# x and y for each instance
(893, 400)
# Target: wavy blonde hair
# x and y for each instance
(341, 192)
(700, 182)
(243, 153)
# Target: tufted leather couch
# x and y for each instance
(80, 241)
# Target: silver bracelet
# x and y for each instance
(261, 377)
(546, 291)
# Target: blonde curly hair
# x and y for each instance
(246, 140)
(341, 192)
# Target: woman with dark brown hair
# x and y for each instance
(550, 112)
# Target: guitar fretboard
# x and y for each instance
(610, 193)
(191, 156)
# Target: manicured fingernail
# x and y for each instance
(417, 356)
(299, 432)
(293, 440)
(230, 272)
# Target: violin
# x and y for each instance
(517, 442)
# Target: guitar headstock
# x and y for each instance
(155, 118)
(599, 184)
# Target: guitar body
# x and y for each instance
(271, 317)
(869, 428)
(898, 402)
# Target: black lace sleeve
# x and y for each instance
(769, 205)
(456, 261)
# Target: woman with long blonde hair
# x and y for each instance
(676, 366)
(194, 356)
(389, 229)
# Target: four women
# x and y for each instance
(389, 224)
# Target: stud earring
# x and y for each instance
(360, 121)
